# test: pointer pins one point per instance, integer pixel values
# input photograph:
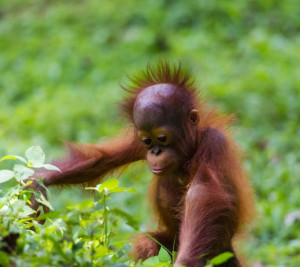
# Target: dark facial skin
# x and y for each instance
(158, 126)
(162, 156)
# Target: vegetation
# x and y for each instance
(61, 64)
(81, 236)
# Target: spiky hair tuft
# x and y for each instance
(158, 73)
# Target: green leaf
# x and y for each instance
(164, 256)
(26, 211)
(36, 156)
(109, 185)
(222, 258)
(6, 175)
(14, 157)
(24, 220)
(8, 157)
(151, 261)
(51, 167)
(45, 202)
(22, 172)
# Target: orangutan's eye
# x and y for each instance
(162, 138)
(147, 141)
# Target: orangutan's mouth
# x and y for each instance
(159, 171)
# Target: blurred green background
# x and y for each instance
(61, 63)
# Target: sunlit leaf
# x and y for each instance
(26, 211)
(36, 156)
(29, 182)
(109, 185)
(6, 175)
(164, 256)
(222, 258)
(45, 202)
(51, 167)
(22, 172)
(25, 219)
(14, 158)
(151, 261)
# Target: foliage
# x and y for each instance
(35, 158)
(80, 237)
(217, 260)
(61, 62)
(162, 259)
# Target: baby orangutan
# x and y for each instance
(199, 192)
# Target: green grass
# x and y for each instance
(61, 63)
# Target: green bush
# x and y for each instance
(86, 234)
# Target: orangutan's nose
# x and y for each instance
(156, 150)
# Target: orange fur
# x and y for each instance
(205, 204)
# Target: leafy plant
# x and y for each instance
(34, 158)
(162, 259)
(82, 236)
(219, 259)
